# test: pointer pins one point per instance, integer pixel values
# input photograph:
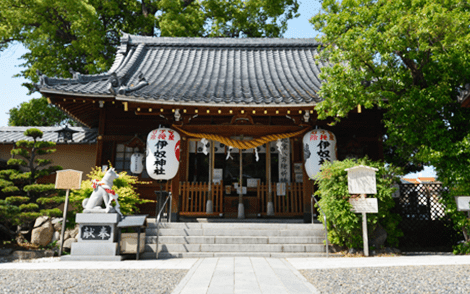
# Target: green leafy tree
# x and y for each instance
(83, 35)
(409, 58)
(37, 112)
(124, 186)
(64, 37)
(22, 198)
(345, 226)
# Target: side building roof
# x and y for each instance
(10, 135)
(210, 71)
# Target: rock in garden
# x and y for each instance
(74, 232)
(55, 236)
(68, 243)
(66, 235)
(57, 223)
(42, 232)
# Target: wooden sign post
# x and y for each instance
(361, 180)
(67, 179)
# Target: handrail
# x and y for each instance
(324, 219)
(158, 219)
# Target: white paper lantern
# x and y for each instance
(319, 146)
(163, 153)
(137, 165)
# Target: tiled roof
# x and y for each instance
(221, 71)
(9, 135)
(419, 180)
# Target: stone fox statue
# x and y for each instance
(102, 192)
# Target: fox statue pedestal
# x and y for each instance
(96, 238)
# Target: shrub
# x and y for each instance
(22, 199)
(345, 226)
(124, 186)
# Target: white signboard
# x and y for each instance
(281, 189)
(463, 203)
(367, 205)
(361, 180)
(319, 146)
(217, 175)
(244, 190)
(252, 183)
(284, 161)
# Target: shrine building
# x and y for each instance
(241, 107)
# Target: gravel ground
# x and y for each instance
(406, 279)
(90, 281)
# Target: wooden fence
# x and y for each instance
(291, 203)
(194, 197)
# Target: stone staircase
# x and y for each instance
(233, 239)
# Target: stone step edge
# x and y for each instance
(234, 244)
(166, 255)
(203, 232)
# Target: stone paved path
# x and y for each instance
(255, 275)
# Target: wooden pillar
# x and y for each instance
(175, 186)
(99, 144)
(270, 204)
(241, 207)
(210, 197)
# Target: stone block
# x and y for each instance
(97, 218)
(90, 258)
(94, 249)
(129, 243)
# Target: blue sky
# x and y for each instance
(13, 94)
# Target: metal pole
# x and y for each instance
(64, 220)
(169, 207)
(326, 235)
(311, 207)
(160, 199)
(138, 244)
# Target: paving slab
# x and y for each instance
(201, 277)
(223, 280)
(268, 281)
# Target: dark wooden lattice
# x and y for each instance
(424, 222)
